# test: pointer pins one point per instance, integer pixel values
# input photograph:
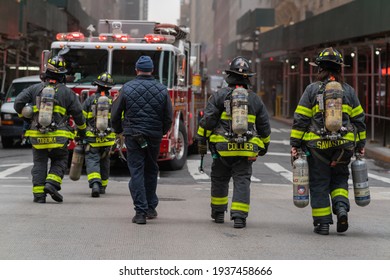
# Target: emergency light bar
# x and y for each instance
(72, 36)
(158, 38)
(104, 37)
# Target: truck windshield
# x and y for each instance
(16, 88)
(123, 66)
(84, 65)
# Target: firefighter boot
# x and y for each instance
(218, 216)
(322, 229)
(151, 213)
(95, 189)
(55, 195)
(102, 190)
(139, 218)
(342, 219)
(39, 198)
(239, 222)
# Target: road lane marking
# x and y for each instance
(192, 166)
(276, 167)
(379, 178)
(16, 168)
(283, 142)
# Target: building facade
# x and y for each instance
(359, 29)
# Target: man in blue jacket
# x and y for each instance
(147, 115)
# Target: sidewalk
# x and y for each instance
(373, 150)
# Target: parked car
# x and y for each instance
(11, 128)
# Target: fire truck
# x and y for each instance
(116, 49)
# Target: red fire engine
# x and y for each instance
(116, 49)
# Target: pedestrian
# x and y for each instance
(146, 108)
(233, 154)
(100, 136)
(326, 102)
(51, 103)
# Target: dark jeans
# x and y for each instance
(143, 167)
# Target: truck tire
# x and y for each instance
(181, 151)
(8, 142)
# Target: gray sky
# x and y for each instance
(164, 11)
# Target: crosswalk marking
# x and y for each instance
(279, 169)
(16, 168)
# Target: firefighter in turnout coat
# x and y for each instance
(325, 102)
(52, 104)
(99, 142)
(233, 155)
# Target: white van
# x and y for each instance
(11, 128)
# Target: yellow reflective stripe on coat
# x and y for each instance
(201, 132)
(226, 117)
(219, 200)
(103, 144)
(266, 140)
(239, 206)
(321, 212)
(60, 110)
(362, 135)
(38, 189)
(57, 133)
(83, 126)
(94, 175)
(339, 192)
(357, 111)
(54, 178)
(297, 134)
(304, 111)
(215, 138)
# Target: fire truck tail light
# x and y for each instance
(102, 38)
(121, 37)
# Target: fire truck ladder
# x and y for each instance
(170, 29)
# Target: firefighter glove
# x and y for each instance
(262, 152)
(80, 136)
(202, 146)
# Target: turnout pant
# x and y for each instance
(222, 170)
(58, 164)
(328, 185)
(97, 162)
(143, 167)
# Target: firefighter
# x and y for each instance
(234, 153)
(49, 132)
(99, 137)
(329, 125)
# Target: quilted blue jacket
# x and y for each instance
(143, 106)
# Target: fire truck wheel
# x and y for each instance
(181, 149)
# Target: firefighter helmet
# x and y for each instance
(104, 80)
(329, 57)
(56, 64)
(240, 66)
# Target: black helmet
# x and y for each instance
(57, 65)
(104, 80)
(240, 66)
(329, 58)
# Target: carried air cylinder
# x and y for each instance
(102, 112)
(46, 106)
(239, 110)
(360, 181)
(333, 96)
(76, 166)
(27, 112)
(301, 181)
